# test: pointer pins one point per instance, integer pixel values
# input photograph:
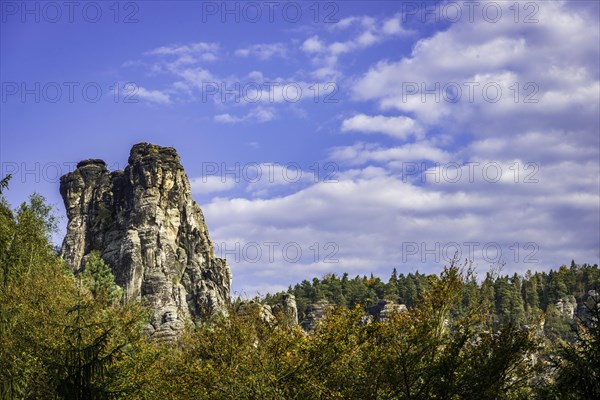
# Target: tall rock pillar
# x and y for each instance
(147, 227)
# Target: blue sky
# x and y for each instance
(326, 136)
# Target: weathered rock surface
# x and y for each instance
(288, 307)
(147, 227)
(314, 313)
(384, 308)
(586, 307)
(567, 306)
(248, 308)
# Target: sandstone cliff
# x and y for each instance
(148, 228)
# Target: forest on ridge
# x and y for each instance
(74, 337)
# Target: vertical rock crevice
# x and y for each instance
(147, 227)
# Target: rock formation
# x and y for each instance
(249, 307)
(567, 306)
(288, 307)
(382, 310)
(285, 307)
(147, 227)
(586, 306)
(314, 313)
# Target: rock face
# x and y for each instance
(288, 307)
(248, 307)
(586, 308)
(567, 306)
(314, 313)
(147, 227)
(382, 310)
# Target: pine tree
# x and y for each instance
(4, 183)
(517, 309)
(530, 294)
(391, 288)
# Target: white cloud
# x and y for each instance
(364, 21)
(399, 127)
(393, 157)
(367, 39)
(271, 176)
(262, 114)
(549, 62)
(198, 48)
(259, 114)
(375, 208)
(227, 118)
(546, 152)
(211, 184)
(264, 51)
(153, 96)
(313, 45)
(393, 26)
(372, 215)
(196, 77)
(367, 32)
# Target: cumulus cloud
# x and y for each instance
(512, 176)
(211, 184)
(362, 153)
(398, 127)
(367, 32)
(263, 51)
(153, 96)
(258, 114)
(375, 219)
(492, 78)
(203, 50)
(266, 178)
(313, 45)
(528, 158)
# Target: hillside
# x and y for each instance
(555, 298)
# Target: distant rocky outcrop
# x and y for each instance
(314, 313)
(247, 308)
(147, 227)
(382, 310)
(586, 307)
(567, 306)
(287, 306)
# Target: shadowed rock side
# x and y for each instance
(314, 313)
(151, 232)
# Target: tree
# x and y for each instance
(517, 309)
(98, 277)
(530, 294)
(57, 338)
(96, 334)
(391, 288)
(4, 182)
(578, 364)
